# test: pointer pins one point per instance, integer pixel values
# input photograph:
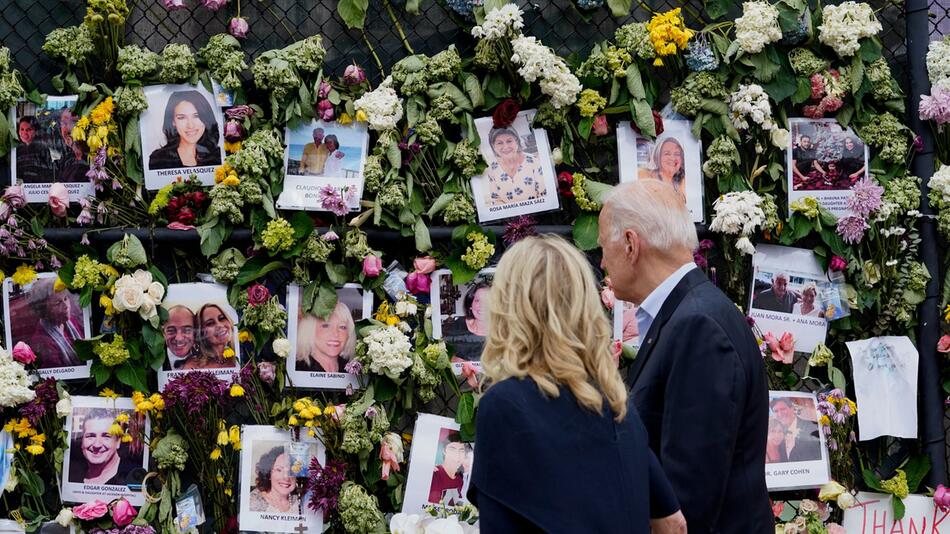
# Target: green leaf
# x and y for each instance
(586, 230)
(452, 91)
(837, 377)
(466, 409)
(584, 126)
(782, 86)
(899, 507)
(643, 116)
(461, 272)
(619, 8)
(870, 50)
(325, 301)
(415, 109)
(353, 12)
(337, 273)
(132, 375)
(128, 252)
(302, 224)
(916, 468)
(394, 155)
(716, 9)
(253, 269)
(597, 191)
(802, 91)
(871, 480)
(212, 235)
(857, 74)
(635, 83)
(440, 203)
(473, 89)
(423, 241)
(765, 67)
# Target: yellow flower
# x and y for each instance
(103, 132)
(234, 436)
(82, 123)
(35, 450)
(24, 275)
(344, 119)
(292, 420)
(219, 478)
(109, 271)
(232, 180)
(824, 421)
(102, 112)
(3, 276)
(137, 397)
(361, 116)
(946, 313)
(109, 394)
(237, 390)
(126, 438)
(116, 430)
(306, 413)
(220, 173)
(122, 418)
(392, 320)
(39, 438)
(228, 353)
(244, 336)
(329, 410)
(312, 433)
(222, 438)
(299, 405)
(93, 142)
(106, 304)
(79, 133)
(227, 491)
(231, 148)
(59, 285)
(216, 453)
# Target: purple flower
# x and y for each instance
(234, 131)
(353, 75)
(267, 371)
(239, 113)
(918, 144)
(238, 27)
(193, 393)
(371, 412)
(749, 321)
(324, 90)
(172, 5)
(706, 244)
(45, 400)
(353, 367)
(84, 239)
(333, 201)
(15, 196)
(325, 110)
(851, 228)
(519, 229)
(865, 198)
(838, 264)
(935, 107)
(330, 236)
(214, 5)
(324, 484)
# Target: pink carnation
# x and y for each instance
(91, 510)
(23, 353)
(817, 86)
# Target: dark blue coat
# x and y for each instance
(699, 385)
(548, 464)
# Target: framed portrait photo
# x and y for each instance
(674, 157)
(625, 323)
(274, 470)
(321, 347)
(795, 452)
(50, 322)
(520, 178)
(320, 155)
(181, 134)
(440, 465)
(99, 464)
(824, 160)
(46, 152)
(459, 315)
(201, 327)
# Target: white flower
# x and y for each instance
(557, 156)
(757, 27)
(405, 524)
(388, 351)
(64, 406)
(737, 213)
(940, 182)
(428, 312)
(808, 506)
(128, 297)
(144, 278)
(11, 482)
(751, 102)
(156, 291)
(537, 61)
(281, 347)
(780, 138)
(127, 281)
(14, 382)
(382, 107)
(64, 517)
(446, 525)
(406, 307)
(938, 62)
(502, 22)
(844, 25)
(148, 308)
(846, 500)
(745, 246)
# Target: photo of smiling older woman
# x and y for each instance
(674, 157)
(200, 332)
(520, 175)
(323, 346)
(107, 454)
(181, 134)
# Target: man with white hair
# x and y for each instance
(776, 298)
(698, 381)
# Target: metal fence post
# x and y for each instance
(930, 420)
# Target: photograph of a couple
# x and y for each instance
(795, 454)
(825, 156)
(784, 293)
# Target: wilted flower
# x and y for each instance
(353, 75)
(238, 27)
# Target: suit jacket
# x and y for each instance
(548, 465)
(807, 444)
(699, 385)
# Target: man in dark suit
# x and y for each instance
(698, 381)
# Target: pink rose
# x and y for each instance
(783, 350)
(15, 196)
(424, 265)
(372, 266)
(418, 283)
(942, 497)
(238, 27)
(944, 344)
(838, 264)
(23, 353)
(607, 297)
(599, 127)
(257, 294)
(58, 199)
(234, 131)
(325, 110)
(91, 510)
(267, 371)
(123, 513)
(324, 90)
(353, 75)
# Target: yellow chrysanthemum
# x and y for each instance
(35, 450)
(39, 439)
(126, 438)
(108, 393)
(24, 275)
(228, 352)
(102, 113)
(237, 390)
(122, 418)
(216, 453)
(244, 336)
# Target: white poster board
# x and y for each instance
(874, 514)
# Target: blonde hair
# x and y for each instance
(545, 321)
(307, 332)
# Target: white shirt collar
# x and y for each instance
(650, 307)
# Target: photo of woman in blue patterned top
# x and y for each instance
(515, 174)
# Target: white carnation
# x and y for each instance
(14, 382)
(940, 182)
(382, 107)
(503, 22)
(844, 25)
(738, 213)
(757, 27)
(388, 351)
(281, 347)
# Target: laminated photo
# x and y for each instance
(795, 452)
(321, 347)
(50, 322)
(824, 160)
(46, 152)
(625, 323)
(98, 463)
(459, 315)
(181, 135)
(274, 469)
(785, 295)
(520, 178)
(200, 333)
(674, 157)
(323, 166)
(440, 466)
(885, 386)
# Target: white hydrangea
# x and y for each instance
(537, 61)
(844, 25)
(14, 382)
(503, 22)
(738, 213)
(388, 351)
(751, 103)
(281, 347)
(382, 107)
(940, 182)
(757, 27)
(938, 62)
(138, 293)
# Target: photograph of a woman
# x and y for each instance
(181, 134)
(33, 161)
(512, 175)
(275, 486)
(794, 437)
(326, 344)
(824, 161)
(808, 304)
(667, 164)
(460, 315)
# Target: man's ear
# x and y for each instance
(631, 243)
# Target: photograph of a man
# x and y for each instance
(179, 331)
(801, 442)
(33, 161)
(447, 477)
(777, 298)
(314, 154)
(72, 165)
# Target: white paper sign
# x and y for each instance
(885, 384)
(874, 514)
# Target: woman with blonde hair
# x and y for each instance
(807, 305)
(559, 449)
(325, 345)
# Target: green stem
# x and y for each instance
(379, 64)
(402, 34)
